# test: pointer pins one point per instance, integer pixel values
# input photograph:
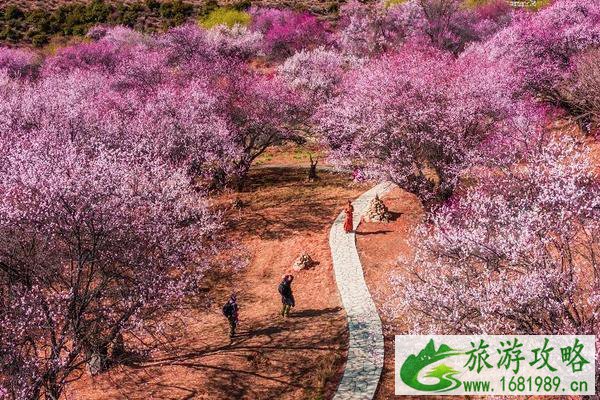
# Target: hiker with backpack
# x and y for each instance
(230, 311)
(287, 297)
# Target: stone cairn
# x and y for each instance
(238, 204)
(303, 262)
(377, 211)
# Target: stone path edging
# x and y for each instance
(365, 348)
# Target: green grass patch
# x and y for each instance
(392, 3)
(539, 4)
(225, 16)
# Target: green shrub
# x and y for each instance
(225, 16)
(40, 39)
(38, 25)
(175, 12)
(242, 5)
(477, 3)
(173, 9)
(97, 11)
(13, 13)
(208, 6)
(181, 8)
(9, 32)
(128, 18)
(152, 5)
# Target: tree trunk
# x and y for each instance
(240, 179)
(53, 389)
(118, 349)
(53, 393)
(312, 172)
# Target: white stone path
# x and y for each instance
(365, 349)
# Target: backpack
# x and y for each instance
(228, 309)
(285, 289)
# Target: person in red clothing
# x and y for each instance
(348, 224)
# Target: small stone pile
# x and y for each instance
(303, 262)
(238, 204)
(377, 211)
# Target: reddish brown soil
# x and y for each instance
(291, 156)
(298, 358)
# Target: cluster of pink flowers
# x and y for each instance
(455, 106)
(514, 253)
(286, 32)
(457, 110)
(368, 30)
(420, 109)
(18, 63)
(107, 151)
(541, 45)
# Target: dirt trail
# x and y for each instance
(298, 358)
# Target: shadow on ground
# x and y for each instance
(281, 202)
(277, 217)
(265, 362)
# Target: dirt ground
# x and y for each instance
(379, 246)
(302, 357)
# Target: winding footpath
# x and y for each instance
(365, 349)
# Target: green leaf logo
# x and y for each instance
(413, 365)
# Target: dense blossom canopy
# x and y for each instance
(17, 63)
(367, 30)
(107, 151)
(541, 45)
(190, 90)
(91, 242)
(110, 149)
(420, 116)
(457, 111)
(286, 32)
(515, 253)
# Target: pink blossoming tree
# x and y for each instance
(315, 74)
(18, 63)
(515, 253)
(419, 117)
(92, 244)
(579, 91)
(541, 45)
(191, 88)
(370, 30)
(286, 31)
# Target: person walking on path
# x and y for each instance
(287, 297)
(230, 311)
(348, 224)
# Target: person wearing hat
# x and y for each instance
(287, 297)
(230, 311)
